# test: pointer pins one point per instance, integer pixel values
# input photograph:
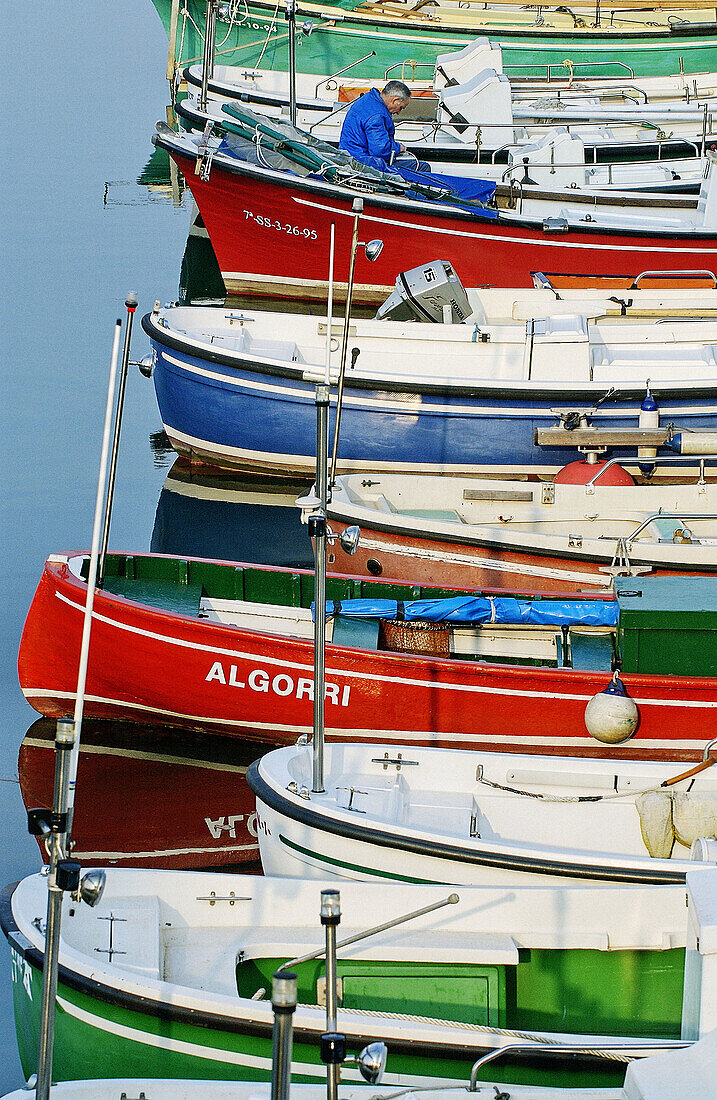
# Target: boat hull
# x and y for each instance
(390, 828)
(139, 1014)
(259, 415)
(147, 665)
(272, 226)
(334, 44)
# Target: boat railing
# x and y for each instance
(408, 63)
(622, 1051)
(684, 273)
(628, 539)
(656, 461)
(572, 68)
(327, 79)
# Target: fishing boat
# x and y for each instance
(273, 205)
(191, 807)
(228, 648)
(483, 121)
(489, 532)
(170, 974)
(662, 40)
(235, 388)
(319, 93)
(539, 165)
(472, 818)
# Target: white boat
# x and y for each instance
(170, 972)
(469, 106)
(454, 816)
(536, 164)
(491, 532)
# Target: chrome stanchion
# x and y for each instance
(283, 1002)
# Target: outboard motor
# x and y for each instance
(432, 292)
(486, 101)
(461, 65)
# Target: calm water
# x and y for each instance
(85, 84)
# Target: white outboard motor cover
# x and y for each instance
(461, 65)
(422, 294)
(486, 101)
(557, 160)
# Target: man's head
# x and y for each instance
(396, 95)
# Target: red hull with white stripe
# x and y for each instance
(271, 225)
(152, 665)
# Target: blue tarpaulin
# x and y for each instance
(482, 609)
(461, 187)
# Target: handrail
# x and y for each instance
(622, 1051)
(656, 461)
(667, 515)
(686, 273)
(346, 68)
(408, 61)
(452, 899)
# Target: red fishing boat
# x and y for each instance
(270, 224)
(228, 648)
(150, 796)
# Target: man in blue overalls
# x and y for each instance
(368, 131)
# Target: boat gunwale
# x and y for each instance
(516, 540)
(606, 35)
(232, 166)
(458, 670)
(513, 389)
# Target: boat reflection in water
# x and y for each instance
(150, 797)
(203, 513)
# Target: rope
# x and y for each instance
(268, 35)
(543, 797)
(483, 1029)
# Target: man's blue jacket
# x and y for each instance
(368, 132)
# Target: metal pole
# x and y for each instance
(452, 899)
(290, 16)
(64, 741)
(357, 210)
(131, 304)
(208, 56)
(330, 918)
(317, 531)
(92, 579)
(283, 1001)
(171, 52)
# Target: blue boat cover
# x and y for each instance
(482, 609)
(461, 187)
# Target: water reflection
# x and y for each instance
(204, 513)
(168, 798)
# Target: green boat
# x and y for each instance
(170, 976)
(404, 43)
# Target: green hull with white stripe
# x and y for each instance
(259, 36)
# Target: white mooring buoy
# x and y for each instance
(611, 716)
